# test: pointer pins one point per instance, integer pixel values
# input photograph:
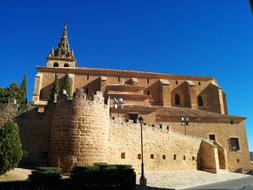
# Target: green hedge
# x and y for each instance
(45, 175)
(103, 175)
(100, 176)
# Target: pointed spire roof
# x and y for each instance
(63, 50)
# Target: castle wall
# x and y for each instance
(34, 130)
(208, 157)
(79, 133)
(163, 150)
(223, 132)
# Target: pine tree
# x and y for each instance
(55, 88)
(23, 94)
(67, 85)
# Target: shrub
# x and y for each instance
(10, 147)
(104, 175)
(45, 175)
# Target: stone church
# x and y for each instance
(186, 125)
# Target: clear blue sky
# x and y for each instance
(185, 37)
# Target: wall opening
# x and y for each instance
(164, 157)
(174, 157)
(123, 155)
(212, 137)
(56, 64)
(200, 101)
(234, 144)
(184, 157)
(152, 156)
(148, 93)
(177, 99)
(133, 117)
(139, 156)
(66, 65)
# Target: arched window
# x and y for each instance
(200, 101)
(177, 99)
(56, 64)
(66, 65)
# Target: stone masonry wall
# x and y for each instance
(86, 78)
(163, 150)
(79, 133)
(237, 160)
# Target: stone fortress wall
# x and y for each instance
(80, 132)
(163, 150)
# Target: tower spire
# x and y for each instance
(63, 50)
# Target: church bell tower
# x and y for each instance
(62, 57)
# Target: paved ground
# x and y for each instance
(185, 179)
(243, 184)
(16, 174)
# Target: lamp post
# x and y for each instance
(185, 122)
(143, 180)
(118, 104)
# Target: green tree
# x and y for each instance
(13, 92)
(4, 96)
(23, 94)
(55, 88)
(10, 147)
(67, 85)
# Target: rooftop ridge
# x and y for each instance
(107, 72)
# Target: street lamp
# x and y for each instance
(185, 122)
(143, 180)
(118, 104)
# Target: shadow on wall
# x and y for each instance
(46, 91)
(92, 87)
(155, 96)
(210, 97)
(182, 91)
(34, 128)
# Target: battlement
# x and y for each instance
(80, 97)
(153, 128)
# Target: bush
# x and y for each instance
(45, 175)
(104, 175)
(10, 147)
